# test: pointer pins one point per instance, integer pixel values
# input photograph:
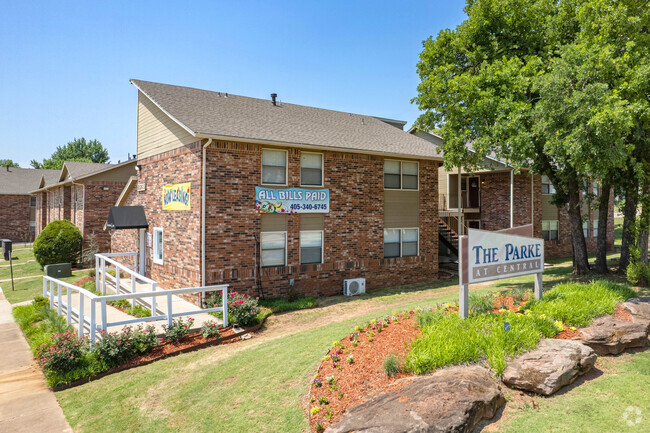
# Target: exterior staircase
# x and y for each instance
(448, 236)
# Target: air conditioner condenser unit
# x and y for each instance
(354, 286)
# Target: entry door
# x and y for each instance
(474, 192)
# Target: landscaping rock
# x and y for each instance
(609, 336)
(549, 367)
(639, 309)
(451, 400)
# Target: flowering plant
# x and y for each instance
(178, 330)
(63, 353)
(242, 308)
(210, 329)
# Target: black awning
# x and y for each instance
(126, 217)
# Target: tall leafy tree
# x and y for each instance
(8, 162)
(76, 150)
(531, 81)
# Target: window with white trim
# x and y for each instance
(400, 174)
(273, 249)
(550, 230)
(595, 229)
(274, 167)
(32, 201)
(547, 186)
(158, 244)
(596, 189)
(311, 247)
(311, 169)
(585, 228)
(400, 242)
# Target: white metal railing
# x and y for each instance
(54, 288)
(101, 273)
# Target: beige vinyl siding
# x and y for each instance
(549, 211)
(311, 221)
(442, 185)
(274, 223)
(401, 209)
(157, 132)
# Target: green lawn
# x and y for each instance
(595, 406)
(26, 289)
(618, 231)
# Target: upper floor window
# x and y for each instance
(400, 174)
(547, 186)
(595, 228)
(32, 201)
(274, 167)
(311, 169)
(596, 189)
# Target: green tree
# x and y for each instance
(76, 150)
(8, 162)
(538, 83)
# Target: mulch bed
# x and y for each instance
(568, 333)
(365, 377)
(507, 302)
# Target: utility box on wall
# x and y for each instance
(61, 270)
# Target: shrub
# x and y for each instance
(63, 354)
(391, 365)
(144, 339)
(178, 330)
(210, 329)
(114, 348)
(59, 242)
(638, 273)
(242, 308)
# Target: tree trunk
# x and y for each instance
(601, 242)
(629, 213)
(644, 228)
(580, 258)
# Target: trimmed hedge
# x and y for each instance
(59, 242)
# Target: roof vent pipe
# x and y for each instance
(273, 98)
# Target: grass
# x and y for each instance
(578, 304)
(595, 406)
(21, 264)
(448, 340)
(278, 305)
(38, 322)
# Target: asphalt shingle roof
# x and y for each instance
(215, 114)
(24, 180)
(77, 169)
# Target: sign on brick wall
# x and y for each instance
(176, 197)
(291, 200)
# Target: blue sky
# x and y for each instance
(65, 66)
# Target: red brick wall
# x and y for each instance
(41, 211)
(181, 229)
(99, 197)
(353, 241)
(14, 217)
(495, 212)
(353, 244)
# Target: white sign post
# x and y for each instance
(487, 256)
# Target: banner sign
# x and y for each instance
(496, 255)
(291, 200)
(176, 197)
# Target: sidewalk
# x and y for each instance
(26, 403)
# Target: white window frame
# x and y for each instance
(285, 248)
(156, 260)
(322, 170)
(322, 247)
(596, 188)
(550, 188)
(558, 229)
(401, 240)
(401, 175)
(585, 229)
(594, 228)
(286, 167)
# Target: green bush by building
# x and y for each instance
(59, 242)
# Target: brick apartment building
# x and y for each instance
(17, 204)
(83, 193)
(293, 196)
(486, 203)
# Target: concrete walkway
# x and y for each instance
(26, 403)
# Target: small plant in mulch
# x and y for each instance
(317, 382)
(319, 428)
(323, 400)
(350, 359)
(210, 329)
(391, 365)
(178, 329)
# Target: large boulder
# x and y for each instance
(639, 309)
(549, 367)
(454, 399)
(610, 336)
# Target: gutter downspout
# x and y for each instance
(203, 194)
(83, 213)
